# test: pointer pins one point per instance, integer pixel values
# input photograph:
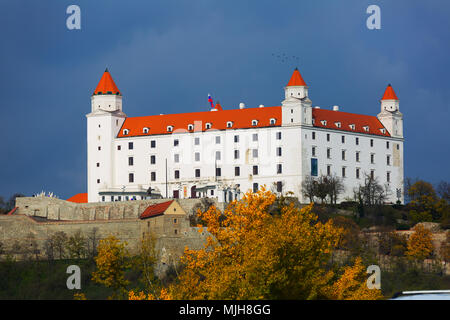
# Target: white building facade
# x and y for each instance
(224, 153)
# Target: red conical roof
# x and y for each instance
(218, 106)
(389, 94)
(296, 79)
(106, 85)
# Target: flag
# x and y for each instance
(210, 100)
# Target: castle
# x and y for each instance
(223, 153)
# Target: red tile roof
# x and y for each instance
(389, 94)
(155, 209)
(296, 79)
(12, 211)
(79, 198)
(106, 85)
(241, 118)
(345, 120)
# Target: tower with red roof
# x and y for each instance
(296, 106)
(390, 115)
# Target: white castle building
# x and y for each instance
(224, 153)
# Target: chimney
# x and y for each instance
(241, 105)
(261, 106)
(316, 107)
(335, 108)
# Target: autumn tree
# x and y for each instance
(392, 243)
(251, 254)
(112, 260)
(145, 262)
(352, 285)
(445, 248)
(76, 246)
(425, 204)
(420, 245)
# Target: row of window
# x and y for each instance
(208, 125)
(357, 155)
(218, 173)
(344, 171)
(371, 141)
(352, 127)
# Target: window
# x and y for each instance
(357, 141)
(314, 135)
(130, 161)
(176, 231)
(229, 124)
(279, 186)
(313, 151)
(387, 144)
(329, 153)
(197, 141)
(236, 154)
(212, 192)
(217, 139)
(218, 172)
(255, 170)
(314, 169)
(169, 128)
(190, 127)
(398, 146)
(197, 173)
(197, 156)
(352, 127)
(103, 197)
(279, 135)
(208, 125)
(328, 137)
(176, 158)
(343, 172)
(153, 144)
(254, 122)
(217, 155)
(279, 151)
(357, 156)
(98, 164)
(338, 124)
(255, 153)
(99, 148)
(371, 142)
(328, 170)
(343, 139)
(177, 174)
(153, 176)
(255, 187)
(176, 142)
(388, 160)
(272, 121)
(118, 148)
(236, 139)
(237, 171)
(372, 174)
(131, 177)
(145, 130)
(125, 132)
(357, 173)
(343, 154)
(279, 168)
(372, 158)
(324, 122)
(255, 137)
(366, 128)
(388, 176)
(130, 145)
(98, 180)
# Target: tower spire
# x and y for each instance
(106, 85)
(296, 79)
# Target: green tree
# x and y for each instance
(76, 246)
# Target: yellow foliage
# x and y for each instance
(112, 260)
(351, 285)
(79, 296)
(252, 254)
(420, 245)
(163, 295)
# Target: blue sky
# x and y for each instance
(166, 56)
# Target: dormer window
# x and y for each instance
(383, 130)
(190, 127)
(273, 121)
(352, 126)
(254, 122)
(169, 128)
(229, 124)
(338, 124)
(125, 132)
(366, 128)
(324, 122)
(145, 130)
(208, 125)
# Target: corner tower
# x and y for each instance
(390, 115)
(103, 124)
(296, 106)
